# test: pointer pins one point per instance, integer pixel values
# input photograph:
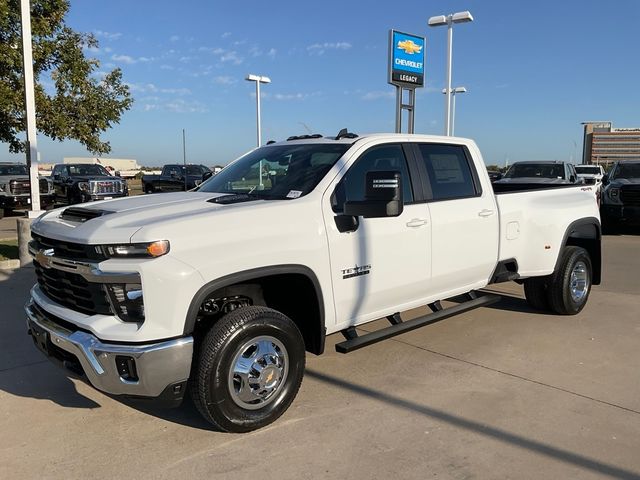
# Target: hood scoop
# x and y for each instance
(233, 198)
(81, 215)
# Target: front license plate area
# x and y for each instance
(41, 339)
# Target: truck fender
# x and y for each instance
(313, 333)
(586, 233)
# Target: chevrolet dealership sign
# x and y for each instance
(406, 59)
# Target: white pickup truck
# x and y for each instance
(221, 290)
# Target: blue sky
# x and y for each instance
(533, 72)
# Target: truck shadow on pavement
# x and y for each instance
(493, 433)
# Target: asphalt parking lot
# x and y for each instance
(500, 392)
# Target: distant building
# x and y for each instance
(603, 144)
(119, 164)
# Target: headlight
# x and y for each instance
(614, 193)
(137, 250)
(3, 187)
(83, 186)
(127, 300)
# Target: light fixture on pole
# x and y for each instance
(454, 91)
(449, 20)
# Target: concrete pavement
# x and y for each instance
(500, 392)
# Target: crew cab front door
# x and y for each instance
(384, 265)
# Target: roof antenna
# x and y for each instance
(344, 133)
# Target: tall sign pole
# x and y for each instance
(30, 108)
(406, 72)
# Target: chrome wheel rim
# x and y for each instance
(579, 282)
(258, 372)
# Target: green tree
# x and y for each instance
(81, 104)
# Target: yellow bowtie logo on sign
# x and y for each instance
(409, 47)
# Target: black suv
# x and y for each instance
(621, 194)
(84, 182)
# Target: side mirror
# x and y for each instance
(56, 176)
(572, 179)
(207, 175)
(383, 196)
(605, 179)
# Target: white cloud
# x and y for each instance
(164, 66)
(123, 59)
(286, 96)
(225, 35)
(231, 57)
(174, 38)
(224, 80)
(107, 35)
(320, 48)
(152, 88)
(378, 94)
(181, 106)
(272, 53)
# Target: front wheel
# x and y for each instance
(569, 287)
(249, 369)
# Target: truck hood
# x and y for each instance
(113, 221)
(618, 182)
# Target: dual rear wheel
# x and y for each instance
(565, 291)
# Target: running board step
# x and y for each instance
(359, 341)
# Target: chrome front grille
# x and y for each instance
(19, 187)
(105, 187)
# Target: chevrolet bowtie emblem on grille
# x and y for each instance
(43, 257)
(409, 47)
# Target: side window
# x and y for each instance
(449, 171)
(380, 158)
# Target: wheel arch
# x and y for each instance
(304, 285)
(586, 233)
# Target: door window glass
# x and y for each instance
(381, 158)
(449, 171)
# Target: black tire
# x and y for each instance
(535, 291)
(559, 290)
(148, 189)
(212, 382)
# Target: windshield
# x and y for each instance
(533, 170)
(84, 169)
(13, 170)
(277, 172)
(627, 170)
(588, 169)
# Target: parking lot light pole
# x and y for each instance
(258, 79)
(453, 105)
(449, 20)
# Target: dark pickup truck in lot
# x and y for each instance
(539, 173)
(621, 195)
(15, 189)
(85, 182)
(172, 178)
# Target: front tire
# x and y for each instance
(569, 287)
(249, 369)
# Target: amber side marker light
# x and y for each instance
(159, 248)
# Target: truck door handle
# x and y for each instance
(485, 213)
(416, 222)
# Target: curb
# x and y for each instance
(9, 264)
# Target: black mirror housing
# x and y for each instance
(605, 179)
(206, 175)
(383, 196)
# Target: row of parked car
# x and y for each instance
(70, 184)
(617, 193)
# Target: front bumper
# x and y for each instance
(621, 213)
(23, 201)
(160, 370)
(87, 197)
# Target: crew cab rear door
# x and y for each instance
(384, 263)
(464, 217)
